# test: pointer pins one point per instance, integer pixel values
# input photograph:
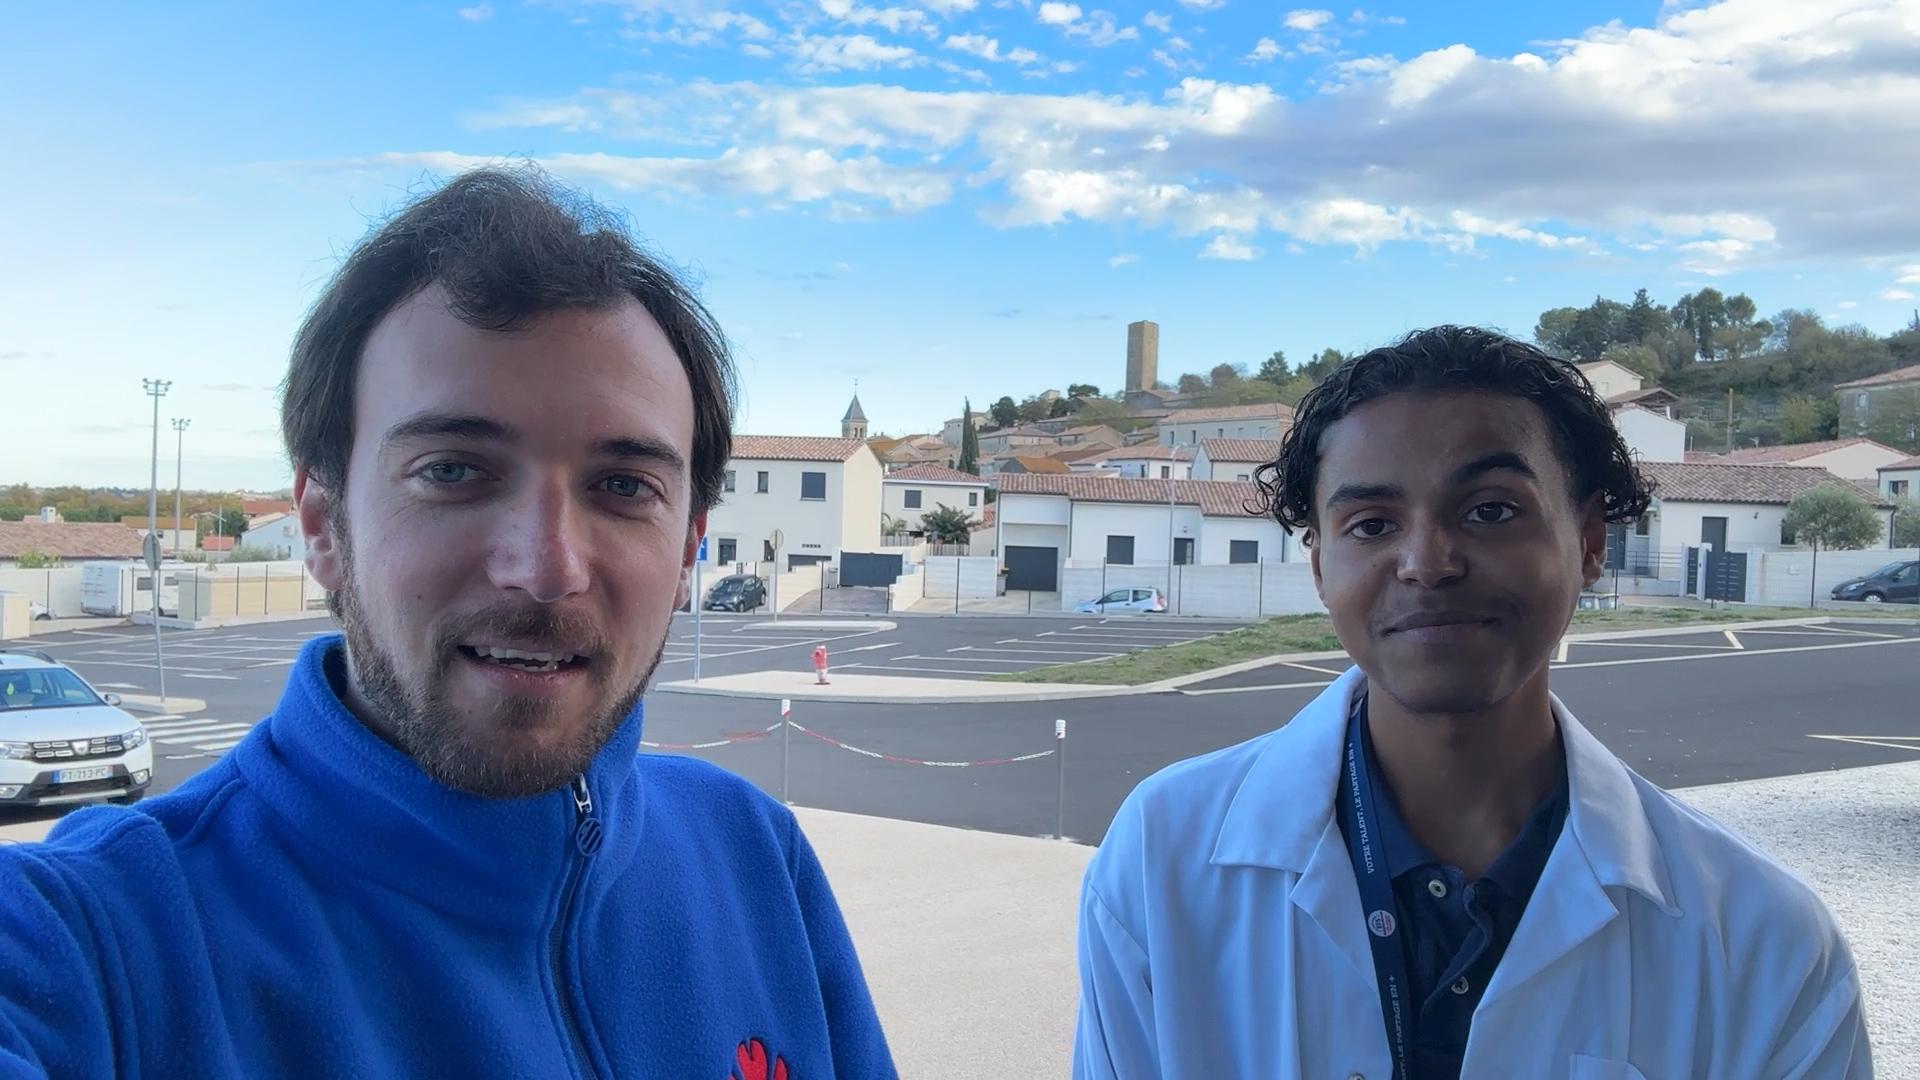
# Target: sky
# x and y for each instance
(933, 198)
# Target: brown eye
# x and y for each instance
(1492, 513)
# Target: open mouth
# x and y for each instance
(535, 662)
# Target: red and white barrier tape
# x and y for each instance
(899, 760)
(751, 736)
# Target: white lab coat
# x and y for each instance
(1221, 936)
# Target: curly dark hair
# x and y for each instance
(507, 244)
(1447, 358)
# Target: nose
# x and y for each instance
(1430, 556)
(541, 543)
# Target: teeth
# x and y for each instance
(495, 652)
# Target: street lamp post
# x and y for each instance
(156, 389)
(180, 438)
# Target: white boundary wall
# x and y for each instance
(1789, 578)
(978, 576)
(59, 588)
(908, 589)
(1238, 591)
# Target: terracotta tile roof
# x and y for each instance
(1034, 463)
(1215, 498)
(162, 521)
(216, 543)
(1082, 453)
(1763, 455)
(69, 540)
(793, 448)
(265, 519)
(1275, 411)
(1701, 457)
(1885, 378)
(934, 474)
(1645, 393)
(1904, 463)
(1238, 450)
(1686, 481)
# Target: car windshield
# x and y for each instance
(730, 585)
(1890, 569)
(43, 688)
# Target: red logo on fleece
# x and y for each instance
(752, 1058)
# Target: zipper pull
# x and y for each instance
(586, 829)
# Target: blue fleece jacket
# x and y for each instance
(314, 905)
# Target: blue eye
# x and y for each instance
(626, 487)
(447, 472)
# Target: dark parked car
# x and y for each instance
(737, 592)
(1894, 583)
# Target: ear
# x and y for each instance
(1313, 559)
(689, 554)
(1593, 540)
(315, 506)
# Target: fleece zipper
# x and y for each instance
(583, 842)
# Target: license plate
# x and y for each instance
(81, 776)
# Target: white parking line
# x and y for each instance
(903, 667)
(218, 746)
(1253, 689)
(193, 737)
(1042, 652)
(1655, 644)
(1733, 641)
(1729, 654)
(228, 678)
(974, 660)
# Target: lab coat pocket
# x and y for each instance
(1593, 1068)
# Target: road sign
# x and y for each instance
(778, 540)
(150, 551)
(702, 557)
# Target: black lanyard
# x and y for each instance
(1368, 850)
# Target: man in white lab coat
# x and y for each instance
(1433, 870)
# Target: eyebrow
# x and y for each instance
(472, 428)
(1495, 462)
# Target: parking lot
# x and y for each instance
(964, 647)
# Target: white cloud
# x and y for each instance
(1203, 5)
(1057, 14)
(1231, 248)
(895, 20)
(1306, 20)
(1101, 31)
(988, 49)
(1155, 20)
(477, 13)
(1848, 305)
(1179, 44)
(1508, 280)
(1895, 294)
(1362, 18)
(1263, 50)
(857, 53)
(706, 28)
(1123, 260)
(949, 7)
(1065, 67)
(1568, 148)
(974, 75)
(1909, 274)
(760, 51)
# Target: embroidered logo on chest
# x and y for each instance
(752, 1063)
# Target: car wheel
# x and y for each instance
(1872, 597)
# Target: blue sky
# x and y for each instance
(935, 197)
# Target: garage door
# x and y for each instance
(1034, 568)
(866, 568)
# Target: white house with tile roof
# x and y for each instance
(1233, 459)
(1855, 458)
(1733, 506)
(1186, 427)
(822, 494)
(908, 493)
(1901, 480)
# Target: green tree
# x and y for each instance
(1702, 314)
(1799, 419)
(1637, 358)
(1225, 375)
(1245, 392)
(947, 524)
(1832, 517)
(1034, 408)
(1083, 390)
(969, 440)
(1740, 335)
(35, 559)
(1906, 523)
(892, 526)
(1060, 407)
(1191, 384)
(1323, 364)
(242, 553)
(1004, 413)
(1643, 317)
(1274, 369)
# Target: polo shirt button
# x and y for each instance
(1460, 985)
(1438, 888)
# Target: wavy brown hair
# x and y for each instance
(1453, 358)
(507, 245)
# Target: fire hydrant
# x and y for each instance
(820, 665)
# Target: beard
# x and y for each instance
(476, 755)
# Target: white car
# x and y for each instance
(61, 741)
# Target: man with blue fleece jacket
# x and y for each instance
(443, 854)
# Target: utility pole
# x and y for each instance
(1729, 419)
(180, 438)
(156, 389)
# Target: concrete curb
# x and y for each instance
(215, 622)
(822, 624)
(150, 703)
(1037, 692)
